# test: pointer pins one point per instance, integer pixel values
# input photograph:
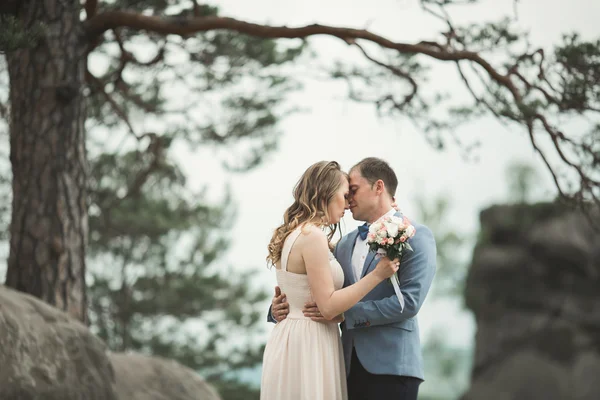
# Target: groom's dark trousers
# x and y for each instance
(362, 385)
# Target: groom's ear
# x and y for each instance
(379, 186)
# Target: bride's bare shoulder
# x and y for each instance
(312, 234)
(311, 229)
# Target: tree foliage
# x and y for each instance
(156, 278)
(156, 274)
(446, 365)
(521, 178)
(534, 88)
(14, 36)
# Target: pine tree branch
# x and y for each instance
(125, 58)
(511, 81)
(109, 99)
(91, 7)
(396, 71)
(187, 26)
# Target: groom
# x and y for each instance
(381, 340)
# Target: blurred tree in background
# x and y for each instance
(144, 215)
(447, 365)
(521, 178)
(155, 278)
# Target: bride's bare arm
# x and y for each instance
(331, 302)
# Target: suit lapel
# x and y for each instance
(368, 262)
(346, 258)
(350, 267)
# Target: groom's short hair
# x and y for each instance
(373, 169)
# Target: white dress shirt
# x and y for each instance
(361, 250)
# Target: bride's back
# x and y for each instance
(291, 273)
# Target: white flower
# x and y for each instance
(410, 231)
(397, 220)
(373, 228)
(392, 229)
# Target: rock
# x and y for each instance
(507, 380)
(533, 287)
(47, 355)
(141, 377)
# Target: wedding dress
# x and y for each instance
(303, 359)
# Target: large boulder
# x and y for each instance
(141, 377)
(534, 287)
(46, 355)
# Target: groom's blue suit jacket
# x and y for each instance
(386, 339)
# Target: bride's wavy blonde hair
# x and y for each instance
(312, 195)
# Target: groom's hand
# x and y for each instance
(311, 311)
(279, 305)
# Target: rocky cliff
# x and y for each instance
(534, 287)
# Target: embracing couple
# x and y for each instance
(321, 286)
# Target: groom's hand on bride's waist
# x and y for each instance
(311, 311)
(279, 306)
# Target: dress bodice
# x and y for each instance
(296, 286)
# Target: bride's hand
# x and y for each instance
(386, 268)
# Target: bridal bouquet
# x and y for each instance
(388, 236)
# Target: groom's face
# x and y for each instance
(363, 197)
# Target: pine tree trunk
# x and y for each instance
(49, 213)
